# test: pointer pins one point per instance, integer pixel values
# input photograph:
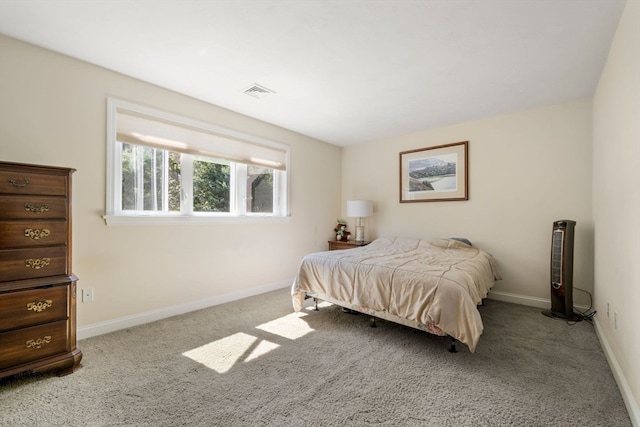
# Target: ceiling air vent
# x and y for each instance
(257, 91)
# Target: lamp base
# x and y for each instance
(359, 233)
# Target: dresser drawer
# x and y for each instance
(26, 345)
(21, 182)
(33, 307)
(21, 264)
(24, 234)
(32, 207)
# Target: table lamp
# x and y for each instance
(359, 209)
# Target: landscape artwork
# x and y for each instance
(434, 174)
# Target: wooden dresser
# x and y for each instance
(37, 287)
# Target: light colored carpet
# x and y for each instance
(255, 363)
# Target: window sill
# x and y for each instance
(137, 220)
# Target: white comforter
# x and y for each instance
(434, 285)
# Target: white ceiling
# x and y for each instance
(344, 72)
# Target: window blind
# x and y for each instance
(154, 132)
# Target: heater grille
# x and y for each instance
(562, 271)
(556, 258)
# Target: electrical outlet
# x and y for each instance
(87, 294)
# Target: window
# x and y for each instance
(166, 168)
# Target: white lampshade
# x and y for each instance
(359, 208)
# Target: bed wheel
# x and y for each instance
(373, 322)
(316, 301)
(452, 349)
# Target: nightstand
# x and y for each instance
(349, 244)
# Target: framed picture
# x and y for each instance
(435, 174)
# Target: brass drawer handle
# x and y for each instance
(39, 306)
(18, 183)
(38, 342)
(36, 234)
(36, 208)
(37, 264)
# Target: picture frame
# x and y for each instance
(435, 174)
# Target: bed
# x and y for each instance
(432, 285)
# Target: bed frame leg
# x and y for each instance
(452, 349)
(373, 322)
(316, 301)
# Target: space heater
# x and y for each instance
(562, 271)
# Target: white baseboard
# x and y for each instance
(519, 299)
(526, 300)
(100, 328)
(618, 375)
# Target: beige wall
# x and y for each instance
(616, 204)
(526, 170)
(53, 111)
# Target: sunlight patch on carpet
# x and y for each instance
(262, 348)
(222, 354)
(290, 326)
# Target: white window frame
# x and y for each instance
(115, 216)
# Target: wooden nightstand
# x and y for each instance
(349, 244)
